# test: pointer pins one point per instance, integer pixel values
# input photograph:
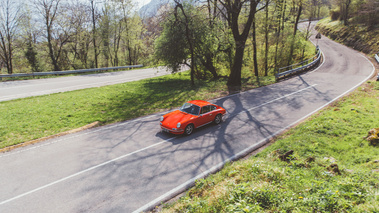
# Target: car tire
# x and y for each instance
(218, 119)
(189, 129)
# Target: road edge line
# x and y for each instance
(191, 182)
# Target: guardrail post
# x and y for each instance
(68, 71)
(314, 60)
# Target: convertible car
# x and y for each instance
(191, 115)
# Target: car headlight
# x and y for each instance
(161, 119)
(178, 125)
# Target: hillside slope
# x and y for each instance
(356, 36)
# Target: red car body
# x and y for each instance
(192, 115)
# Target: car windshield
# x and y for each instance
(190, 108)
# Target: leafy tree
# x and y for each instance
(193, 39)
(171, 46)
(232, 10)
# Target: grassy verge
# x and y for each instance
(332, 168)
(31, 118)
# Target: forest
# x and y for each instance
(215, 38)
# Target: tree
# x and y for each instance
(232, 9)
(189, 34)
(133, 38)
(297, 10)
(94, 34)
(30, 35)
(78, 22)
(369, 13)
(9, 19)
(49, 9)
(105, 32)
(171, 46)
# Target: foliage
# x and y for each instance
(264, 183)
(214, 44)
(208, 40)
(171, 47)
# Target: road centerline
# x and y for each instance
(82, 172)
(273, 100)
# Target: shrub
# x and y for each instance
(335, 14)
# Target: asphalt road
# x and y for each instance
(21, 89)
(130, 166)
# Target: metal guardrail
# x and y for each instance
(67, 72)
(377, 57)
(299, 67)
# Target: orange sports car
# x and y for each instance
(191, 115)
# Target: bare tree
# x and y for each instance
(94, 34)
(78, 19)
(49, 9)
(30, 35)
(10, 17)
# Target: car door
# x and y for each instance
(206, 115)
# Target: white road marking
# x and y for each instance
(124, 156)
(82, 172)
(262, 142)
(276, 99)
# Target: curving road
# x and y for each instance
(21, 89)
(132, 166)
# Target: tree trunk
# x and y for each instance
(190, 42)
(256, 71)
(298, 17)
(266, 42)
(234, 9)
(51, 50)
(235, 74)
(208, 64)
(94, 33)
(290, 56)
(10, 50)
(278, 33)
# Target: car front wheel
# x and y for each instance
(189, 129)
(218, 119)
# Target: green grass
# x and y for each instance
(264, 183)
(31, 118)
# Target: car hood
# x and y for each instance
(173, 118)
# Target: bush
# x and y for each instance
(335, 14)
(373, 137)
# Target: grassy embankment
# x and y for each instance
(356, 36)
(36, 117)
(332, 168)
